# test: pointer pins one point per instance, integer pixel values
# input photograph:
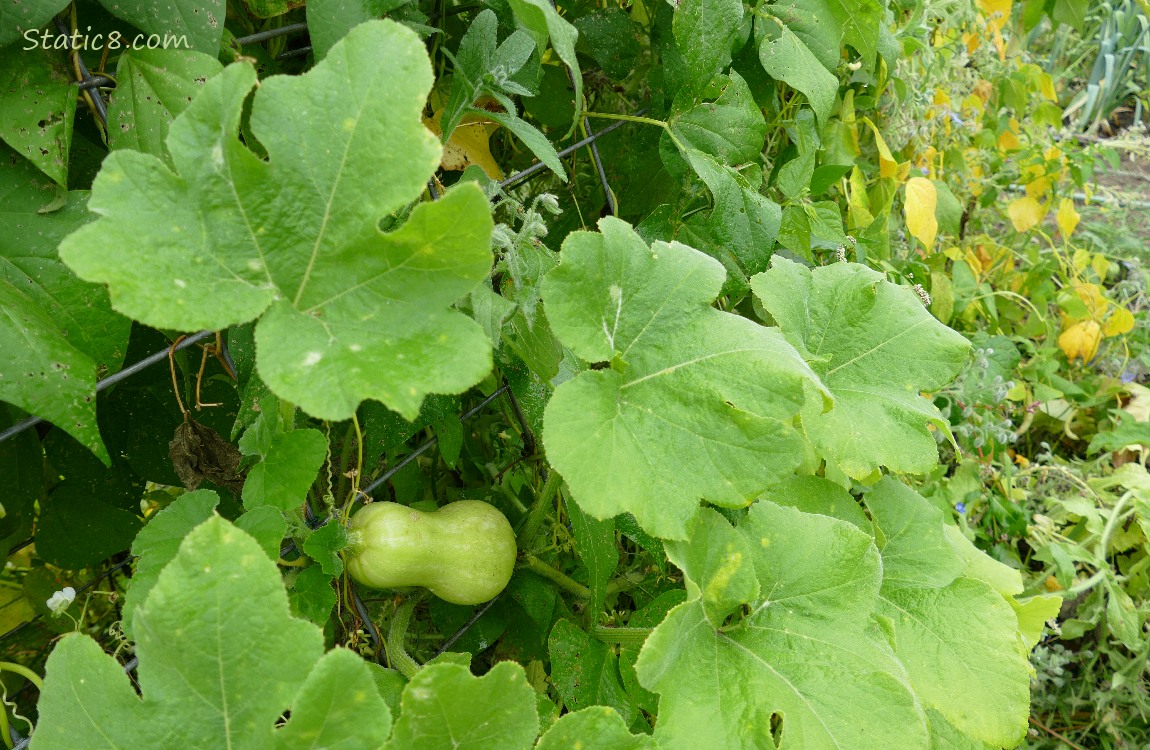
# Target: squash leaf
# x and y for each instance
(876, 348)
(348, 312)
(707, 392)
(803, 652)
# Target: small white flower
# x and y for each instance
(61, 600)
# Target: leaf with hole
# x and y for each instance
(802, 653)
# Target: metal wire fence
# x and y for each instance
(90, 87)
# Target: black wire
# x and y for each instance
(98, 106)
(372, 630)
(540, 166)
(529, 444)
(467, 625)
(79, 590)
(301, 52)
(111, 380)
(263, 36)
(430, 442)
(95, 82)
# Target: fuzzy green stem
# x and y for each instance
(537, 566)
(544, 502)
(396, 653)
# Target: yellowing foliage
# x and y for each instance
(1067, 218)
(1080, 341)
(921, 201)
(468, 144)
(1025, 213)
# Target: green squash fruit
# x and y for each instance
(463, 553)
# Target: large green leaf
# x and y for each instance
(823, 24)
(177, 24)
(875, 347)
(803, 653)
(786, 58)
(815, 24)
(18, 19)
(348, 313)
(543, 22)
(290, 461)
(158, 543)
(57, 333)
(37, 108)
(707, 392)
(79, 310)
(595, 543)
(585, 672)
(328, 21)
(339, 708)
(957, 637)
(220, 658)
(153, 86)
(731, 128)
(704, 31)
(861, 22)
(597, 727)
(43, 373)
(444, 707)
(741, 229)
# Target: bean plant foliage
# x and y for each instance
(704, 421)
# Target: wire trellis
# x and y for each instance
(89, 86)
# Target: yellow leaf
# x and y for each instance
(858, 204)
(1025, 213)
(921, 200)
(1090, 294)
(887, 166)
(1101, 265)
(1038, 187)
(1046, 87)
(996, 11)
(1080, 341)
(1081, 260)
(1067, 218)
(1120, 321)
(468, 145)
(1008, 139)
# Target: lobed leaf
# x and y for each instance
(802, 656)
(709, 393)
(348, 312)
(875, 347)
